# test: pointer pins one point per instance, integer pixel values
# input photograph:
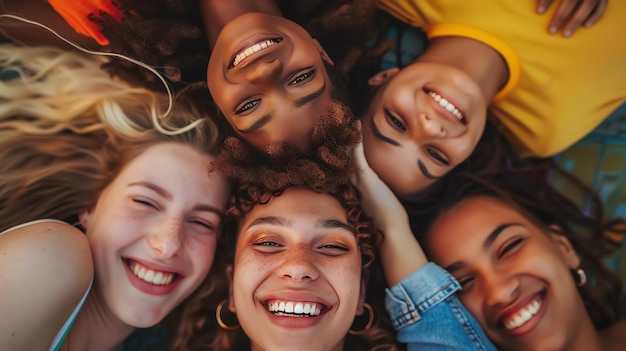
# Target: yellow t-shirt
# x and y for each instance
(559, 88)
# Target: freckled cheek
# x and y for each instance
(201, 251)
(250, 266)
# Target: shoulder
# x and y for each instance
(45, 270)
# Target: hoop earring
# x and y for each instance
(580, 277)
(218, 318)
(370, 321)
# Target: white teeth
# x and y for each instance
(150, 276)
(294, 308)
(523, 316)
(253, 49)
(446, 104)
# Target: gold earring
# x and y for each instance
(218, 317)
(370, 321)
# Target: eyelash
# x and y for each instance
(247, 105)
(434, 154)
(146, 203)
(395, 121)
(303, 77)
(510, 247)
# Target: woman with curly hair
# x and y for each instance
(109, 218)
(517, 255)
(298, 278)
(303, 268)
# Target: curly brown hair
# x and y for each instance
(198, 331)
(328, 164)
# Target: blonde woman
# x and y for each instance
(110, 218)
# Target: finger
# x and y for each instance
(561, 15)
(542, 6)
(597, 13)
(582, 13)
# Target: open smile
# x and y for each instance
(524, 318)
(253, 49)
(294, 308)
(447, 105)
(149, 275)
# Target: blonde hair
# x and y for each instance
(67, 128)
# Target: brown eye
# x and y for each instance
(247, 106)
(303, 77)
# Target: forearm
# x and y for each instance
(400, 252)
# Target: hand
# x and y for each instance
(571, 14)
(400, 252)
(377, 199)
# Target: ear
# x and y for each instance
(382, 76)
(322, 52)
(362, 293)
(565, 247)
(83, 218)
(231, 300)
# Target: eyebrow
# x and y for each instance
(425, 171)
(282, 221)
(334, 224)
(380, 136)
(272, 220)
(167, 195)
(487, 244)
(308, 98)
(257, 125)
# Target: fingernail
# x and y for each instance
(567, 33)
(541, 9)
(552, 30)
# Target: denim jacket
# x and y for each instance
(427, 314)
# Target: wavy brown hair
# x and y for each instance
(203, 333)
(528, 190)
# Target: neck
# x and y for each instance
(216, 13)
(484, 64)
(96, 328)
(614, 337)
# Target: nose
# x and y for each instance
(166, 239)
(500, 289)
(264, 70)
(431, 125)
(298, 265)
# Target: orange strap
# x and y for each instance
(78, 15)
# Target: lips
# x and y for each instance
(150, 276)
(522, 318)
(294, 308)
(447, 105)
(252, 49)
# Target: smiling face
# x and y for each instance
(297, 273)
(267, 76)
(153, 233)
(424, 120)
(515, 275)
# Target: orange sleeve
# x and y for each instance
(78, 15)
(504, 49)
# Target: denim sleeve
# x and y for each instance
(427, 314)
